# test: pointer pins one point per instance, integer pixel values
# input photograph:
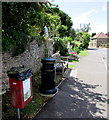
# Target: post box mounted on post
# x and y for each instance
(48, 72)
(20, 81)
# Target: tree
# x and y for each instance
(60, 44)
(86, 40)
(79, 36)
(65, 21)
(63, 30)
(93, 34)
(72, 33)
(83, 38)
(23, 22)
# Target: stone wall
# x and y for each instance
(30, 58)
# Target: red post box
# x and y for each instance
(20, 81)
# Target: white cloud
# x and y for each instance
(98, 28)
(104, 7)
(82, 19)
(88, 17)
(85, 19)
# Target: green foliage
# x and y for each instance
(15, 40)
(72, 33)
(66, 23)
(84, 38)
(65, 19)
(25, 21)
(15, 19)
(7, 42)
(93, 34)
(53, 23)
(74, 61)
(76, 45)
(76, 49)
(60, 45)
(68, 39)
(79, 36)
(63, 30)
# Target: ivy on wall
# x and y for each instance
(24, 21)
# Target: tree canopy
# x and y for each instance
(83, 38)
(24, 21)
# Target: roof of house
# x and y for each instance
(99, 35)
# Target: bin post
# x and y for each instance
(48, 76)
(18, 113)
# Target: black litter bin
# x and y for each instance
(20, 73)
(48, 76)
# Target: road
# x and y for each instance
(104, 54)
(92, 70)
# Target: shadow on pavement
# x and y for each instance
(82, 101)
(74, 100)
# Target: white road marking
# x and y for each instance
(104, 62)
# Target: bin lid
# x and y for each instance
(20, 73)
(49, 59)
(15, 70)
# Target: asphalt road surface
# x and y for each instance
(104, 52)
(92, 70)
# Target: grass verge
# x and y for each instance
(71, 66)
(83, 53)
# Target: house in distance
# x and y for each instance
(99, 40)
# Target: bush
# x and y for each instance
(69, 39)
(76, 46)
(23, 22)
(60, 45)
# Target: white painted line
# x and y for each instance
(104, 62)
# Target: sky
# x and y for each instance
(86, 11)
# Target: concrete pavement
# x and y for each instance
(83, 94)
